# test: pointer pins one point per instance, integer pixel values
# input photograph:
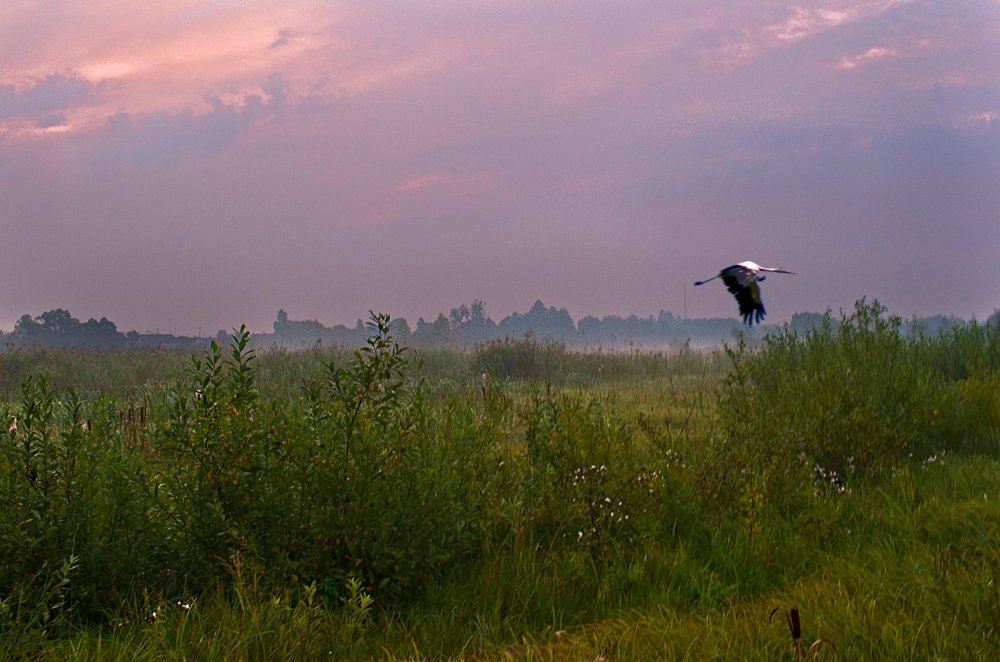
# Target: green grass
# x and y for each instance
(513, 501)
(903, 576)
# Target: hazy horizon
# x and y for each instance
(200, 164)
(498, 318)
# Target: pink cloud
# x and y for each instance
(871, 55)
(507, 151)
(806, 21)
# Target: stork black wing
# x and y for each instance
(747, 295)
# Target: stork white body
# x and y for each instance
(741, 281)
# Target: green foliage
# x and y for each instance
(70, 488)
(529, 359)
(215, 460)
(350, 479)
(518, 359)
(849, 402)
(593, 482)
(515, 500)
(34, 608)
(380, 500)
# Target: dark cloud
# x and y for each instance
(174, 136)
(284, 38)
(49, 121)
(53, 93)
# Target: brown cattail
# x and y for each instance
(793, 623)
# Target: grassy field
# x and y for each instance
(826, 496)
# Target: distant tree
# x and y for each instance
(541, 322)
(60, 323)
(994, 318)
(804, 322)
(300, 333)
(597, 332)
(589, 325)
(435, 334)
(477, 311)
(469, 324)
(27, 331)
(935, 324)
(441, 327)
(669, 324)
(54, 327)
(614, 330)
(459, 316)
(400, 330)
(101, 333)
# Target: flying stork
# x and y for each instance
(741, 281)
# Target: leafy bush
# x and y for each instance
(847, 402)
(352, 479)
(72, 485)
(216, 462)
(383, 497)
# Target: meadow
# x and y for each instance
(822, 495)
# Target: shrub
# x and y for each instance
(74, 483)
(848, 401)
(351, 479)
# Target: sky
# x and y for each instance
(188, 166)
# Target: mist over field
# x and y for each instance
(466, 325)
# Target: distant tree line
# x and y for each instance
(58, 328)
(467, 324)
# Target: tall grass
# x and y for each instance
(850, 402)
(514, 500)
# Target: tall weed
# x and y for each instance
(851, 400)
(351, 479)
